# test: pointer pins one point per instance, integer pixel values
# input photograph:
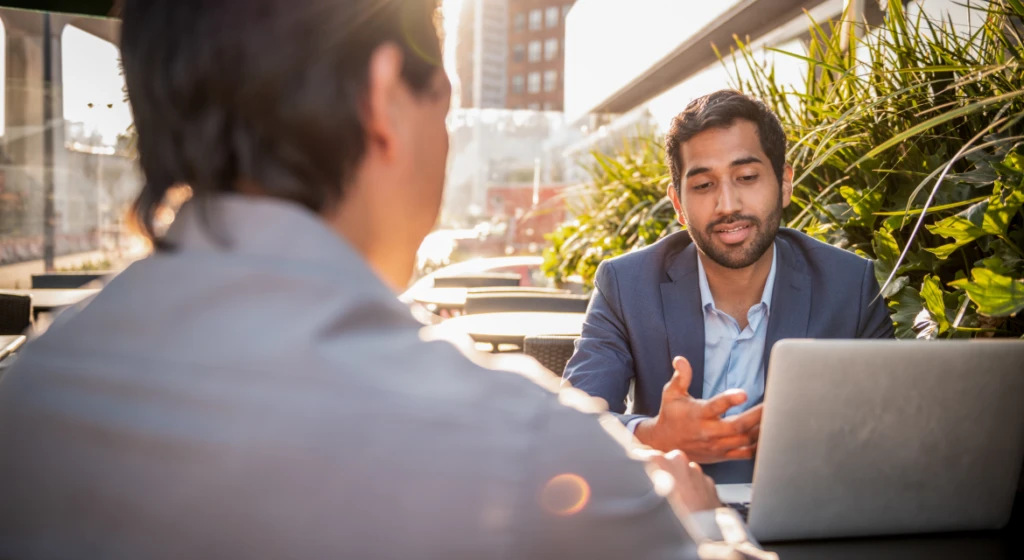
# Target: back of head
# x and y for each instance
(229, 93)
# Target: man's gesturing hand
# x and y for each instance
(696, 426)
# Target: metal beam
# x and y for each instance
(748, 19)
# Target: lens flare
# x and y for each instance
(566, 494)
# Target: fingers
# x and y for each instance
(717, 405)
(679, 385)
(729, 443)
(748, 419)
(741, 453)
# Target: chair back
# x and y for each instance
(66, 280)
(483, 280)
(511, 302)
(553, 352)
(15, 314)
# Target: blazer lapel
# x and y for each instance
(684, 319)
(791, 299)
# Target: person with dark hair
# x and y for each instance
(691, 320)
(255, 389)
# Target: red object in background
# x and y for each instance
(533, 223)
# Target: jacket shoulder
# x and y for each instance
(653, 258)
(822, 257)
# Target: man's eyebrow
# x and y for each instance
(696, 171)
(744, 161)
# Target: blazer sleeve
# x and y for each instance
(874, 320)
(602, 364)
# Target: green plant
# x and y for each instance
(623, 207)
(909, 150)
(89, 266)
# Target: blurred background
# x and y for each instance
(555, 129)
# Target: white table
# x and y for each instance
(513, 328)
(48, 300)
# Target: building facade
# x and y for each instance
(481, 52)
(536, 54)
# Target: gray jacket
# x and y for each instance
(273, 399)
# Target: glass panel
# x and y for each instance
(552, 16)
(536, 19)
(534, 51)
(534, 82)
(67, 170)
(550, 49)
(550, 80)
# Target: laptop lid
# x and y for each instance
(869, 437)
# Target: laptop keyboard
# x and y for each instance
(742, 509)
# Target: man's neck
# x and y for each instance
(736, 290)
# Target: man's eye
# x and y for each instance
(701, 186)
(748, 178)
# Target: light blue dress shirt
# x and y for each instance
(734, 358)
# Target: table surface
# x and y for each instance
(45, 300)
(455, 298)
(1005, 544)
(10, 343)
(512, 328)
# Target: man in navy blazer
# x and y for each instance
(690, 321)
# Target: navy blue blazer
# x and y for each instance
(646, 309)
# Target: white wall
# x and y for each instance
(608, 43)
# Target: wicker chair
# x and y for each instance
(15, 314)
(477, 280)
(508, 302)
(553, 352)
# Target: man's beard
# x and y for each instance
(739, 258)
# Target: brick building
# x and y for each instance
(536, 54)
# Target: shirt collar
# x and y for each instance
(708, 301)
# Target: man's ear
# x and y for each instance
(787, 185)
(673, 195)
(382, 104)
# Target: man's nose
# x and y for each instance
(728, 199)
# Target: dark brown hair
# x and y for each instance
(266, 91)
(720, 110)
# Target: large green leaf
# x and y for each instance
(863, 203)
(906, 306)
(961, 230)
(994, 294)
(932, 294)
(1002, 208)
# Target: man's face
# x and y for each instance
(730, 199)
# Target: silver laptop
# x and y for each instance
(869, 437)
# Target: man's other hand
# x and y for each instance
(692, 487)
(696, 426)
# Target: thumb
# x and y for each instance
(679, 385)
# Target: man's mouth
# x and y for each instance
(734, 233)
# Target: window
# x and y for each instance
(517, 84)
(533, 106)
(550, 49)
(550, 80)
(536, 19)
(520, 22)
(534, 51)
(518, 53)
(551, 17)
(533, 82)
(549, 106)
